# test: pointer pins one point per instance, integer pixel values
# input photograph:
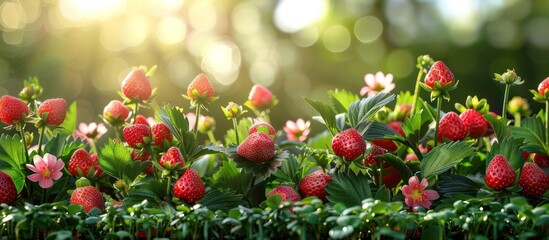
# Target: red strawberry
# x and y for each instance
(287, 193)
(439, 73)
(160, 134)
(201, 86)
(533, 180)
(56, 109)
(116, 110)
(263, 127)
(526, 156)
(95, 161)
(475, 123)
(135, 134)
(140, 119)
(189, 187)
(315, 184)
(391, 178)
(8, 192)
(89, 197)
(137, 86)
(349, 144)
(82, 160)
(543, 86)
(389, 144)
(499, 174)
(541, 160)
(260, 97)
(451, 127)
(171, 158)
(12, 109)
(258, 147)
(146, 157)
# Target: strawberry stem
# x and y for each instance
(22, 133)
(169, 188)
(546, 122)
(517, 119)
(416, 90)
(211, 137)
(235, 126)
(437, 119)
(380, 173)
(197, 117)
(505, 99)
(42, 130)
(134, 115)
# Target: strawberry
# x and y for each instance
(12, 110)
(189, 187)
(258, 147)
(475, 123)
(348, 144)
(263, 127)
(543, 86)
(260, 97)
(95, 162)
(499, 174)
(533, 180)
(161, 133)
(136, 86)
(200, 87)
(82, 160)
(439, 72)
(490, 130)
(391, 178)
(56, 109)
(8, 192)
(140, 119)
(389, 144)
(135, 135)
(116, 111)
(89, 197)
(315, 184)
(146, 157)
(541, 160)
(171, 158)
(526, 156)
(287, 193)
(451, 127)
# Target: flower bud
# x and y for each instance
(233, 110)
(206, 124)
(518, 105)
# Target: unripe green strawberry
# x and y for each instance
(12, 109)
(136, 86)
(533, 180)
(348, 144)
(56, 109)
(475, 123)
(499, 174)
(135, 135)
(258, 147)
(315, 184)
(189, 187)
(451, 127)
(439, 72)
(8, 192)
(89, 197)
(287, 193)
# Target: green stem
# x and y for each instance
(517, 119)
(380, 173)
(92, 146)
(505, 99)
(197, 117)
(42, 130)
(437, 120)
(169, 188)
(235, 126)
(134, 115)
(211, 137)
(117, 132)
(22, 133)
(43, 198)
(546, 122)
(416, 90)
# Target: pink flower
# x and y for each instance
(90, 131)
(298, 130)
(377, 83)
(416, 195)
(46, 170)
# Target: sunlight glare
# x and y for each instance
(86, 10)
(293, 15)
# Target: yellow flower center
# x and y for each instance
(46, 173)
(417, 195)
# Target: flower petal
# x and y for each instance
(46, 183)
(414, 182)
(38, 162)
(425, 203)
(56, 175)
(365, 90)
(406, 190)
(35, 177)
(431, 194)
(409, 202)
(83, 128)
(32, 168)
(59, 165)
(51, 160)
(424, 184)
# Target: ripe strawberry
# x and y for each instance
(315, 184)
(140, 119)
(146, 157)
(391, 178)
(12, 109)
(260, 97)
(451, 127)
(160, 134)
(82, 160)
(135, 134)
(499, 174)
(349, 144)
(171, 158)
(201, 86)
(439, 72)
(189, 187)
(543, 86)
(287, 193)
(533, 180)
(475, 123)
(95, 161)
(8, 192)
(541, 160)
(389, 144)
(137, 86)
(116, 110)
(89, 197)
(258, 147)
(56, 109)
(263, 127)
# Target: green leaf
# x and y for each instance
(12, 159)
(365, 108)
(243, 125)
(178, 124)
(510, 148)
(348, 189)
(321, 140)
(139, 195)
(115, 160)
(17, 176)
(432, 232)
(443, 157)
(383, 194)
(222, 199)
(342, 99)
(501, 129)
(230, 176)
(62, 146)
(69, 125)
(533, 131)
(376, 130)
(289, 171)
(455, 184)
(327, 113)
(403, 170)
(264, 170)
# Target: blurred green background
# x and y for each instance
(82, 49)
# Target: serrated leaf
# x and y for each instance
(62, 146)
(375, 130)
(230, 176)
(443, 157)
(327, 114)
(348, 189)
(115, 160)
(365, 108)
(403, 170)
(455, 184)
(533, 131)
(321, 140)
(264, 170)
(222, 199)
(12, 159)
(383, 194)
(69, 124)
(137, 196)
(289, 171)
(510, 148)
(342, 99)
(243, 126)
(501, 129)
